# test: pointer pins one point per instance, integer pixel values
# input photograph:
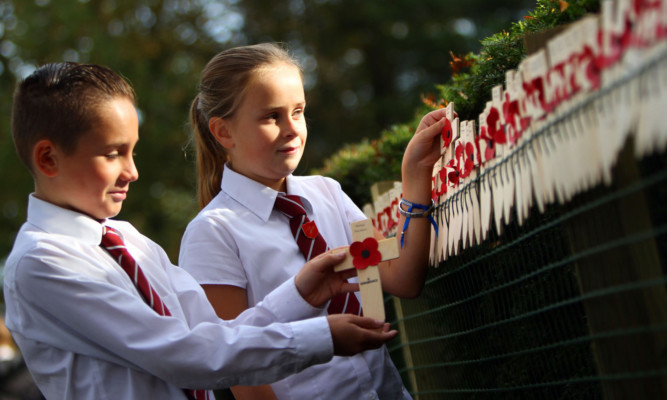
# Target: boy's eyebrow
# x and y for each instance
(115, 145)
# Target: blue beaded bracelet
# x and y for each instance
(425, 212)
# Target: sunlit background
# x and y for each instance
(366, 65)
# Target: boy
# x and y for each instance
(87, 328)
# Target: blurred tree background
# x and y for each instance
(366, 65)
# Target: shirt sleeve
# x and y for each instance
(205, 240)
(283, 304)
(86, 313)
(352, 211)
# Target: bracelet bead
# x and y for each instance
(425, 210)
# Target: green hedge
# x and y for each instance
(357, 166)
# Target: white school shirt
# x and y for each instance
(239, 240)
(85, 332)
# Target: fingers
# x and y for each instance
(348, 273)
(352, 334)
(432, 118)
(347, 287)
(434, 129)
(326, 261)
(317, 282)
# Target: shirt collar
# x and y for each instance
(254, 196)
(57, 220)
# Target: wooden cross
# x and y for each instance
(370, 286)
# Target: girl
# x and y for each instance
(250, 132)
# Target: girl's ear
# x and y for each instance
(219, 127)
(45, 158)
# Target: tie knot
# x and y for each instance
(111, 238)
(289, 205)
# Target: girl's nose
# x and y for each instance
(293, 127)
(130, 172)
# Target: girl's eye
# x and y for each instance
(112, 155)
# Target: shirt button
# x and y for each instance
(372, 396)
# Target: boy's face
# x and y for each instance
(94, 180)
(268, 131)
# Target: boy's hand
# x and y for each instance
(318, 283)
(353, 334)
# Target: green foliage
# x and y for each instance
(373, 58)
(358, 166)
(160, 48)
(469, 90)
(364, 71)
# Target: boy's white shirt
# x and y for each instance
(82, 325)
(229, 243)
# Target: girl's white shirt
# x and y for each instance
(238, 239)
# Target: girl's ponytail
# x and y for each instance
(211, 156)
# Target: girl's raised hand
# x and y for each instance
(423, 150)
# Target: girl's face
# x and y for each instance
(267, 134)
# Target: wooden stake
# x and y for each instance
(370, 286)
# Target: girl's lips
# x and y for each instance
(118, 196)
(288, 150)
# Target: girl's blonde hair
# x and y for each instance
(222, 87)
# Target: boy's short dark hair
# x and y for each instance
(58, 101)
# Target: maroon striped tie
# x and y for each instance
(113, 243)
(311, 243)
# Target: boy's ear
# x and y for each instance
(219, 127)
(44, 158)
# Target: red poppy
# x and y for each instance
(365, 254)
(494, 128)
(487, 145)
(391, 223)
(310, 229)
(439, 181)
(453, 174)
(592, 63)
(535, 93)
(443, 181)
(394, 209)
(468, 160)
(446, 133)
(513, 118)
(458, 152)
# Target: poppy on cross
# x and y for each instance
(364, 254)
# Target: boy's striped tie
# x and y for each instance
(113, 243)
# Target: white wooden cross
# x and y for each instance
(370, 286)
